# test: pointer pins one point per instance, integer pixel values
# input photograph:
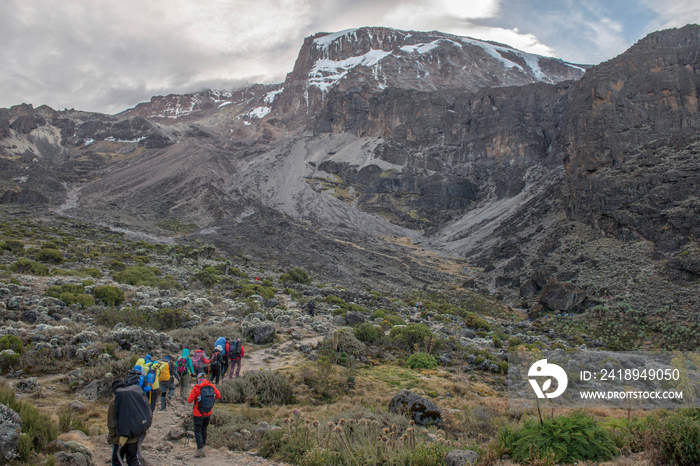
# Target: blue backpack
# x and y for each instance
(206, 400)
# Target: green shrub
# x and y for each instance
(671, 438)
(236, 272)
(368, 333)
(142, 260)
(85, 300)
(117, 266)
(473, 321)
(53, 291)
(70, 288)
(92, 272)
(336, 301)
(168, 319)
(514, 342)
(110, 295)
(299, 275)
(497, 343)
(161, 319)
(12, 342)
(258, 388)
(87, 283)
(378, 314)
(355, 308)
(169, 283)
(38, 429)
(26, 266)
(52, 256)
(563, 439)
(206, 278)
(421, 360)
(394, 320)
(251, 289)
(138, 276)
(14, 245)
(411, 335)
(268, 283)
(49, 245)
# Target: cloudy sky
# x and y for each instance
(109, 55)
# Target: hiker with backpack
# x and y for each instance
(199, 360)
(223, 342)
(312, 308)
(216, 363)
(235, 353)
(203, 395)
(128, 418)
(185, 370)
(153, 369)
(168, 374)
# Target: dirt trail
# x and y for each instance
(159, 451)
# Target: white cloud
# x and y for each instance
(672, 13)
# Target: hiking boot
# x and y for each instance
(199, 453)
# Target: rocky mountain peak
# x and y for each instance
(378, 58)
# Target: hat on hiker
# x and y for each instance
(218, 347)
(117, 384)
(201, 375)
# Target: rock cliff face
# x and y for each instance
(380, 58)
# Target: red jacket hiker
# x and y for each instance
(194, 394)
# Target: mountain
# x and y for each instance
(381, 145)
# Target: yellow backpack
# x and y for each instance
(164, 372)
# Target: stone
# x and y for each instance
(72, 459)
(423, 411)
(561, 296)
(354, 318)
(264, 333)
(29, 385)
(339, 321)
(461, 458)
(10, 427)
(176, 433)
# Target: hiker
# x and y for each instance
(224, 368)
(128, 418)
(203, 396)
(199, 360)
(312, 308)
(235, 353)
(185, 370)
(137, 376)
(153, 369)
(167, 382)
(216, 362)
(221, 341)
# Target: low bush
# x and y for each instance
(514, 342)
(138, 276)
(12, 342)
(411, 335)
(161, 319)
(251, 289)
(117, 266)
(421, 360)
(474, 321)
(368, 333)
(299, 275)
(52, 256)
(26, 266)
(671, 438)
(561, 439)
(13, 245)
(258, 388)
(110, 295)
(378, 314)
(207, 278)
(85, 300)
(38, 429)
(336, 301)
(169, 283)
(355, 308)
(393, 320)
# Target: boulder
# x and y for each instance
(72, 459)
(29, 385)
(423, 411)
(561, 296)
(461, 458)
(10, 427)
(354, 318)
(264, 333)
(339, 321)
(176, 433)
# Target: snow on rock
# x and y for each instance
(270, 96)
(225, 104)
(425, 48)
(326, 73)
(258, 112)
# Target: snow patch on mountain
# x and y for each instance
(327, 73)
(270, 96)
(425, 48)
(258, 112)
(225, 104)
